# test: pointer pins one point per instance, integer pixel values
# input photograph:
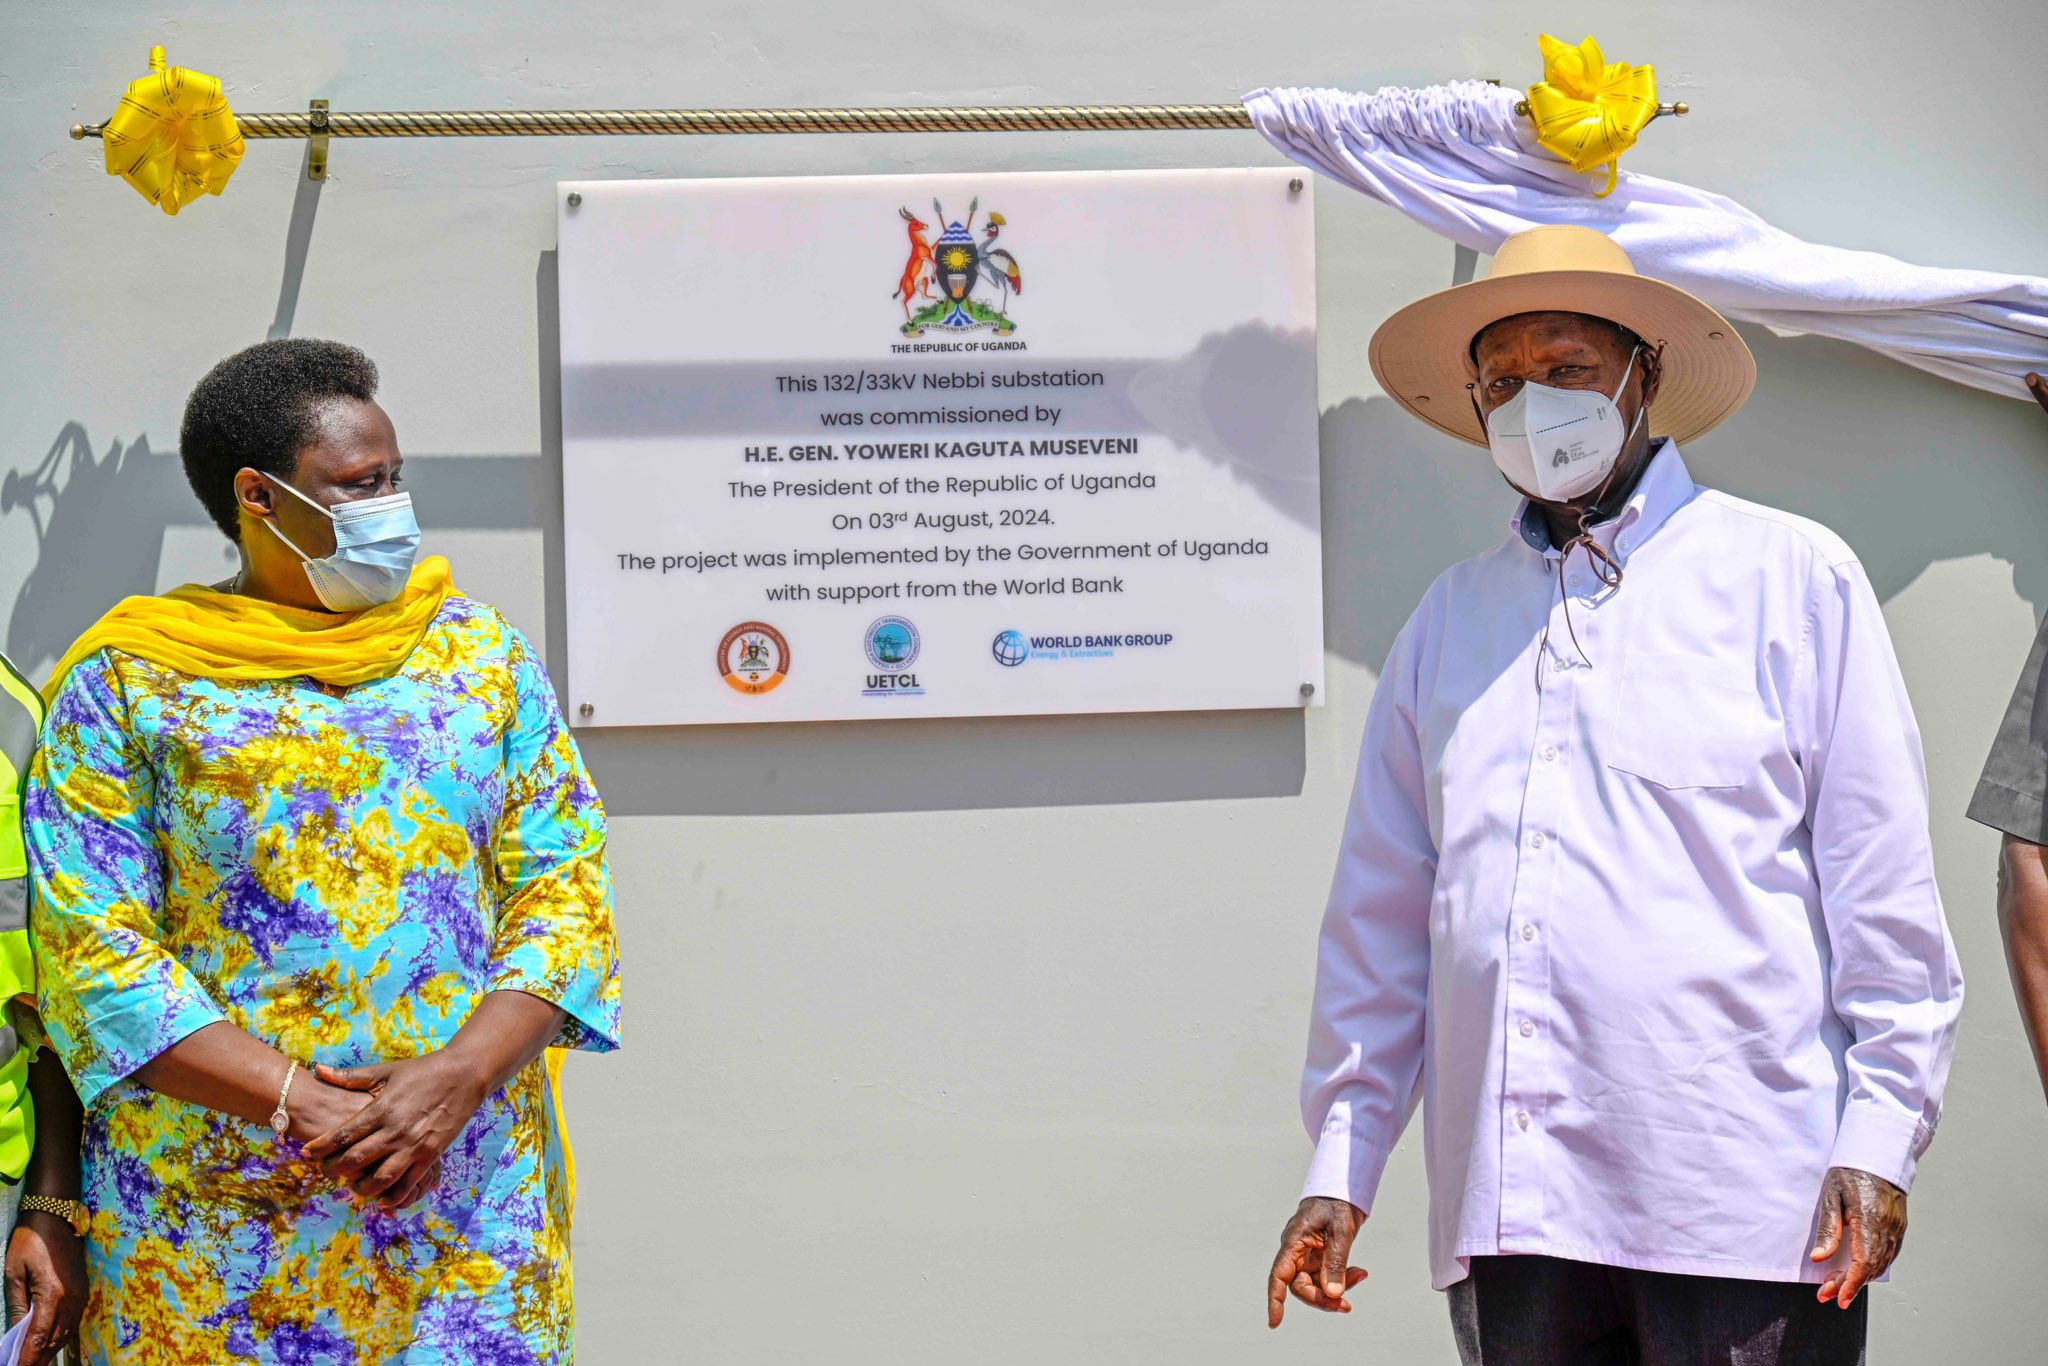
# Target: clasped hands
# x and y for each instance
(380, 1130)
(1865, 1213)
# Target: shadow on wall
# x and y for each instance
(1962, 475)
(1908, 468)
(947, 764)
(1241, 399)
(99, 524)
(1401, 502)
(1220, 400)
(298, 243)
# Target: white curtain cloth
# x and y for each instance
(1458, 159)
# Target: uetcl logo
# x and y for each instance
(892, 645)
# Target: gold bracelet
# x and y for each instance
(70, 1211)
(279, 1119)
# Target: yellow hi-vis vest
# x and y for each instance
(21, 717)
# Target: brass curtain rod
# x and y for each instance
(320, 122)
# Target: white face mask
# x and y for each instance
(375, 543)
(1556, 444)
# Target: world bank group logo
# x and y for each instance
(1012, 648)
(892, 646)
(753, 658)
(939, 278)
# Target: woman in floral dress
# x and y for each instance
(319, 876)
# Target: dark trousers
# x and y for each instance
(1545, 1311)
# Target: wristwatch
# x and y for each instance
(70, 1211)
(280, 1118)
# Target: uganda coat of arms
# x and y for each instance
(946, 272)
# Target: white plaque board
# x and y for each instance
(1074, 471)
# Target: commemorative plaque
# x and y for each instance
(853, 447)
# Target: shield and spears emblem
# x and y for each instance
(947, 270)
(959, 265)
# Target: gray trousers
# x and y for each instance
(1546, 1311)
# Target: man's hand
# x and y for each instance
(1874, 1213)
(1315, 1249)
(391, 1150)
(2038, 387)
(45, 1284)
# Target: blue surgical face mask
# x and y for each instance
(375, 543)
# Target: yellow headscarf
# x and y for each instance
(210, 634)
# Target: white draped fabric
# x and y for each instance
(1458, 159)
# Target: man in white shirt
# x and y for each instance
(1636, 892)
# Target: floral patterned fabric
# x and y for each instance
(345, 877)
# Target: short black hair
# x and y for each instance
(258, 409)
(1627, 337)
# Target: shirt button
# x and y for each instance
(1578, 581)
(1522, 1119)
(1528, 932)
(1550, 754)
(1528, 1030)
(1536, 840)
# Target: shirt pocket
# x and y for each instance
(1688, 721)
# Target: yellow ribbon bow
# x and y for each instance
(1588, 111)
(174, 137)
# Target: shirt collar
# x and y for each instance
(1666, 486)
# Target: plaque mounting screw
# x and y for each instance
(1294, 185)
(575, 198)
(1308, 690)
(586, 711)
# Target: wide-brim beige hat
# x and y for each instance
(1422, 356)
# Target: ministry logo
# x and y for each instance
(753, 658)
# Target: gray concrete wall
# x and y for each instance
(976, 1041)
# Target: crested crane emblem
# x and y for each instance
(938, 282)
